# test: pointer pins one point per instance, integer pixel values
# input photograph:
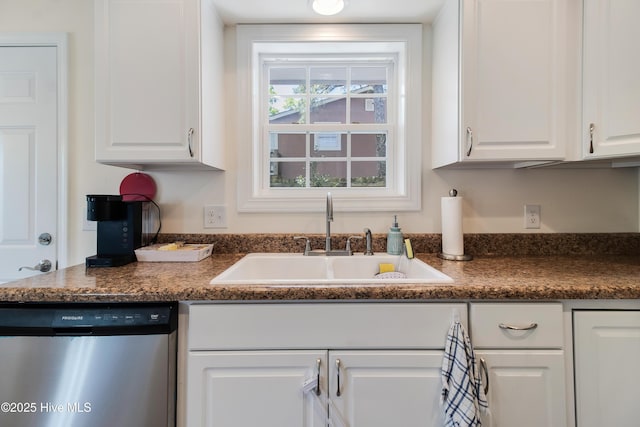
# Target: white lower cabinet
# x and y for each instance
(378, 364)
(386, 388)
(366, 365)
(356, 388)
(607, 368)
(525, 387)
(520, 350)
(253, 388)
(371, 364)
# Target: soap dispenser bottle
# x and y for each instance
(394, 238)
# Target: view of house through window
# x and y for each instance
(328, 123)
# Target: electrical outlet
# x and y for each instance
(215, 216)
(531, 216)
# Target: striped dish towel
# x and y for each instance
(462, 393)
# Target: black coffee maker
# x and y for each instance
(122, 227)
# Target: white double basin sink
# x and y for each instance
(297, 269)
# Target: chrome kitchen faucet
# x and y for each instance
(327, 242)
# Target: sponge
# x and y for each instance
(387, 268)
(409, 248)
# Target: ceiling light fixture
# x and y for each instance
(327, 7)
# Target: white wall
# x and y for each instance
(585, 200)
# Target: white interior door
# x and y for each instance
(28, 158)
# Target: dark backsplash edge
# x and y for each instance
(542, 244)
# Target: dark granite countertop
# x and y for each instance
(494, 277)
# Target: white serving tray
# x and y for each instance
(184, 253)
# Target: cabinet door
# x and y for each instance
(514, 79)
(611, 88)
(386, 388)
(526, 387)
(248, 389)
(147, 81)
(607, 373)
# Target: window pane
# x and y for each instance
(368, 145)
(287, 174)
(369, 110)
(328, 80)
(286, 110)
(328, 144)
(328, 174)
(287, 81)
(369, 80)
(369, 174)
(328, 110)
(287, 145)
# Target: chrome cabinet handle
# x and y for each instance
(470, 140)
(528, 327)
(189, 140)
(592, 128)
(338, 393)
(43, 266)
(317, 391)
(483, 368)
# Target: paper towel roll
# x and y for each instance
(452, 235)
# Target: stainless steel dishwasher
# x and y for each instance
(96, 365)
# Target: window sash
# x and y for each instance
(300, 73)
(346, 153)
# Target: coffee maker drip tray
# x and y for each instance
(109, 261)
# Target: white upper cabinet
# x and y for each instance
(611, 87)
(502, 86)
(158, 84)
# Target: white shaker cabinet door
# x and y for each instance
(513, 80)
(525, 387)
(386, 388)
(607, 368)
(611, 87)
(506, 96)
(253, 388)
(158, 73)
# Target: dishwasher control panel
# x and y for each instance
(87, 319)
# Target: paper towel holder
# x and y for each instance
(464, 257)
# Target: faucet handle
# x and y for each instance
(307, 245)
(348, 247)
(369, 243)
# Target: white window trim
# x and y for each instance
(404, 197)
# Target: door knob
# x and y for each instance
(43, 266)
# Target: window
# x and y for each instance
(327, 122)
(329, 108)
